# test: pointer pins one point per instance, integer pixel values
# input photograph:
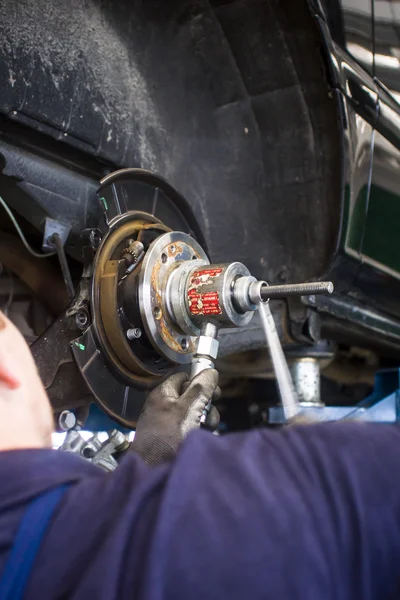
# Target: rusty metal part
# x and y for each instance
(104, 299)
(133, 252)
(163, 258)
(39, 275)
(156, 226)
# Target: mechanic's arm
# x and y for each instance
(308, 512)
(311, 512)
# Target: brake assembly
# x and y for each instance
(149, 301)
(114, 330)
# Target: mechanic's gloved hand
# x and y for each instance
(170, 412)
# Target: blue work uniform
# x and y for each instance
(309, 512)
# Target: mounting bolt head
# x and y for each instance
(82, 319)
(95, 238)
(67, 420)
(134, 333)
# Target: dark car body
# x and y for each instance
(362, 49)
(277, 120)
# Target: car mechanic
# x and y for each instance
(308, 512)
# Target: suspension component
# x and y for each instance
(149, 299)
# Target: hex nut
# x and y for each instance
(207, 346)
(66, 420)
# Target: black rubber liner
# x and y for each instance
(226, 100)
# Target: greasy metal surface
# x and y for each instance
(40, 178)
(164, 255)
(60, 376)
(104, 300)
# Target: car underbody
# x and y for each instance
(234, 105)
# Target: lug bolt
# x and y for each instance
(134, 333)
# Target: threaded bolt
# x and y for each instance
(134, 333)
(119, 440)
(298, 289)
(66, 420)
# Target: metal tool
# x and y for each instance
(183, 295)
(287, 391)
(153, 300)
(298, 289)
(101, 453)
(178, 302)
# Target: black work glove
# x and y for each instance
(172, 410)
